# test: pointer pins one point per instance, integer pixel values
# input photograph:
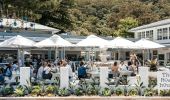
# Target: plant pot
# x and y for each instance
(153, 68)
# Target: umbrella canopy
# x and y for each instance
(147, 44)
(54, 41)
(17, 42)
(93, 41)
(120, 42)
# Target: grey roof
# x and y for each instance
(19, 23)
(154, 24)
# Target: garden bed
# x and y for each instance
(86, 98)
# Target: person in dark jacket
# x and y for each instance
(8, 71)
(82, 71)
(1, 76)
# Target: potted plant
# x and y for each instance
(153, 65)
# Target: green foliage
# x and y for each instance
(92, 90)
(139, 86)
(150, 91)
(119, 92)
(63, 92)
(50, 89)
(132, 92)
(79, 92)
(7, 90)
(164, 92)
(19, 91)
(84, 17)
(152, 81)
(106, 92)
(36, 91)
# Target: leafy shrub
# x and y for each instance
(150, 92)
(92, 90)
(119, 92)
(36, 91)
(63, 92)
(106, 92)
(19, 91)
(133, 92)
(79, 91)
(7, 90)
(165, 93)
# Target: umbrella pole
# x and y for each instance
(143, 57)
(18, 54)
(64, 53)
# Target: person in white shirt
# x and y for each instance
(122, 66)
(15, 66)
(47, 72)
(56, 60)
(69, 68)
(20, 62)
(40, 70)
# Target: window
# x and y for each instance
(165, 33)
(139, 35)
(159, 34)
(147, 34)
(143, 35)
(151, 34)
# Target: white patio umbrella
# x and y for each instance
(18, 42)
(54, 42)
(93, 41)
(147, 44)
(122, 43)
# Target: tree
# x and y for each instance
(126, 24)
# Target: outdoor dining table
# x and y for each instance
(128, 73)
(94, 73)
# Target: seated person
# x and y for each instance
(40, 70)
(1, 76)
(47, 72)
(15, 66)
(82, 71)
(130, 68)
(115, 70)
(8, 71)
(122, 66)
(29, 64)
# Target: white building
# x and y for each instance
(158, 32)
